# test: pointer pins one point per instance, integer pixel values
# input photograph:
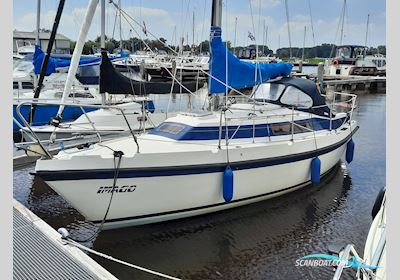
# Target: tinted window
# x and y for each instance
(27, 85)
(269, 91)
(343, 52)
(286, 128)
(281, 128)
(297, 98)
(81, 95)
(302, 126)
(15, 85)
(172, 128)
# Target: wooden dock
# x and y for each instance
(356, 84)
(39, 252)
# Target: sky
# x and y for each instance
(174, 18)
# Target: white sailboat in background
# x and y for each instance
(77, 94)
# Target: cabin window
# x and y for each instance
(302, 126)
(269, 91)
(15, 85)
(343, 52)
(281, 128)
(359, 52)
(172, 128)
(297, 98)
(27, 85)
(80, 95)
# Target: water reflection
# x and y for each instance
(257, 241)
(233, 242)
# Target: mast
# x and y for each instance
(312, 24)
(288, 26)
(304, 42)
(77, 53)
(103, 37)
(279, 41)
(263, 41)
(366, 33)
(343, 16)
(37, 41)
(216, 20)
(234, 44)
(193, 32)
(120, 25)
(47, 56)
(103, 24)
(216, 13)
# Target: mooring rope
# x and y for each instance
(82, 247)
(117, 154)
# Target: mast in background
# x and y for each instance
(366, 33)
(234, 44)
(103, 39)
(103, 24)
(37, 39)
(120, 25)
(76, 55)
(47, 56)
(343, 16)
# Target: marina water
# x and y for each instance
(258, 241)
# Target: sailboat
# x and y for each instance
(43, 113)
(198, 163)
(373, 263)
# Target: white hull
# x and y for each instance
(152, 199)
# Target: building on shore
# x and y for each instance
(25, 41)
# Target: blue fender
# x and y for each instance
(350, 151)
(228, 184)
(315, 170)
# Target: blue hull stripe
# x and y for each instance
(183, 170)
(208, 206)
(244, 131)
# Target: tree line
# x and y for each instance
(135, 44)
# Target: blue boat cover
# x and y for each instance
(60, 62)
(241, 74)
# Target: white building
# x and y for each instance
(23, 38)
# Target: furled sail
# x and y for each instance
(241, 74)
(62, 62)
(114, 82)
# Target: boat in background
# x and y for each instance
(48, 108)
(352, 60)
(104, 121)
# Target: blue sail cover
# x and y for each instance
(241, 74)
(62, 62)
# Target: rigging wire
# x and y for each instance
(341, 18)
(125, 15)
(202, 26)
(288, 26)
(311, 21)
